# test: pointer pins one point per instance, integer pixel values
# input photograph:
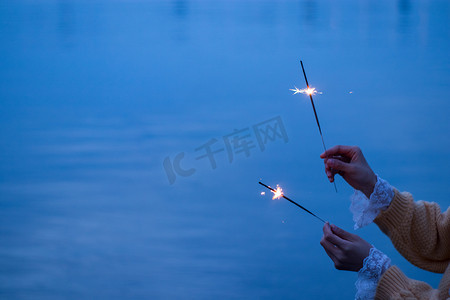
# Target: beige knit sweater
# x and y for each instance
(421, 233)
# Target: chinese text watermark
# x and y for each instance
(239, 142)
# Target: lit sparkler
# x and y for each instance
(312, 91)
(307, 91)
(278, 194)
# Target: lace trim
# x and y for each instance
(374, 267)
(365, 210)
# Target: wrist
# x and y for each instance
(368, 189)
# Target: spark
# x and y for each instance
(263, 193)
(307, 91)
(278, 193)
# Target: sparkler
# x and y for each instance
(278, 194)
(312, 91)
(308, 91)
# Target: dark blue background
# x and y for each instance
(95, 94)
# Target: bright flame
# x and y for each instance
(307, 91)
(278, 193)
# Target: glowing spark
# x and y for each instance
(278, 193)
(263, 193)
(307, 91)
(351, 92)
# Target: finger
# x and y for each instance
(328, 170)
(345, 159)
(338, 150)
(330, 249)
(341, 233)
(326, 227)
(338, 165)
(332, 238)
(330, 175)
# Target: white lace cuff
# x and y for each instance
(374, 267)
(365, 210)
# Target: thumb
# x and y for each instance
(337, 164)
(341, 233)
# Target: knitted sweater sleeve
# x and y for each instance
(395, 285)
(421, 233)
(418, 230)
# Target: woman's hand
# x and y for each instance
(345, 249)
(349, 162)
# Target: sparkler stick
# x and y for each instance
(292, 201)
(310, 93)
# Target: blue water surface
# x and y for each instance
(96, 95)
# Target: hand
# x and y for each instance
(349, 162)
(345, 249)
